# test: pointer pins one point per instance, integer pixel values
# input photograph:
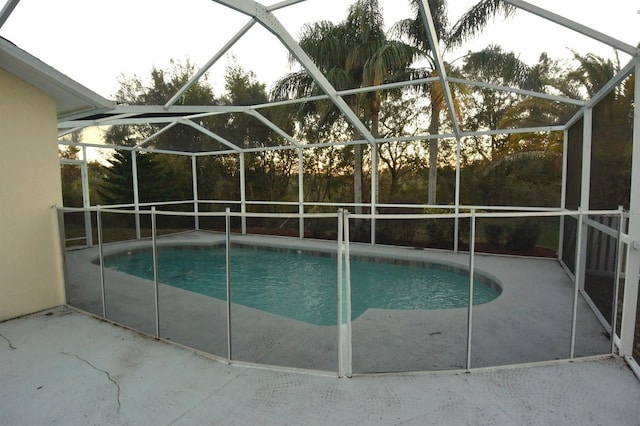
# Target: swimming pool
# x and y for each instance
(303, 285)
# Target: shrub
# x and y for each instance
(441, 231)
(384, 233)
(523, 236)
(396, 232)
(493, 234)
(360, 231)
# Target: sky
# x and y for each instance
(96, 42)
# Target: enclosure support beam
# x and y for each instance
(6, 11)
(448, 97)
(345, 351)
(210, 134)
(439, 63)
(531, 93)
(632, 268)
(563, 190)
(567, 23)
(273, 127)
(86, 200)
(101, 257)
(472, 243)
(211, 61)
(155, 135)
(456, 225)
(136, 195)
(585, 186)
(616, 283)
(227, 249)
(194, 180)
(580, 266)
(301, 192)
(154, 252)
(263, 15)
(603, 92)
(347, 301)
(374, 190)
(243, 194)
(340, 259)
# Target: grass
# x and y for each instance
(549, 229)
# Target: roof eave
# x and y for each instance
(71, 97)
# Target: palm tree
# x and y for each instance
(471, 23)
(583, 82)
(488, 106)
(351, 54)
(612, 126)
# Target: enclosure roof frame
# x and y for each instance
(79, 107)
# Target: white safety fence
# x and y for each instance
(547, 310)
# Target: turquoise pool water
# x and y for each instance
(303, 286)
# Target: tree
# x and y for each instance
(70, 174)
(172, 173)
(472, 22)
(612, 138)
(400, 117)
(71, 180)
(486, 107)
(117, 183)
(351, 54)
(161, 177)
(161, 86)
(538, 154)
(581, 82)
(268, 172)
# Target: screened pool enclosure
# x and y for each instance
(420, 144)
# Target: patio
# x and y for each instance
(63, 367)
(558, 139)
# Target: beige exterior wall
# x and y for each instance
(30, 266)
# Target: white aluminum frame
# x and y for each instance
(258, 13)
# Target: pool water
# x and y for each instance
(303, 286)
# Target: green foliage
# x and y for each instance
(326, 175)
(71, 186)
(401, 159)
(440, 232)
(117, 183)
(521, 169)
(71, 174)
(470, 24)
(168, 177)
(494, 234)
(351, 54)
(158, 90)
(477, 18)
(528, 180)
(523, 236)
(397, 232)
(612, 144)
(486, 108)
(218, 177)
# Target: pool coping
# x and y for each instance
(480, 276)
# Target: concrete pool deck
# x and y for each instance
(63, 367)
(529, 322)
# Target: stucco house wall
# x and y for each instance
(30, 262)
